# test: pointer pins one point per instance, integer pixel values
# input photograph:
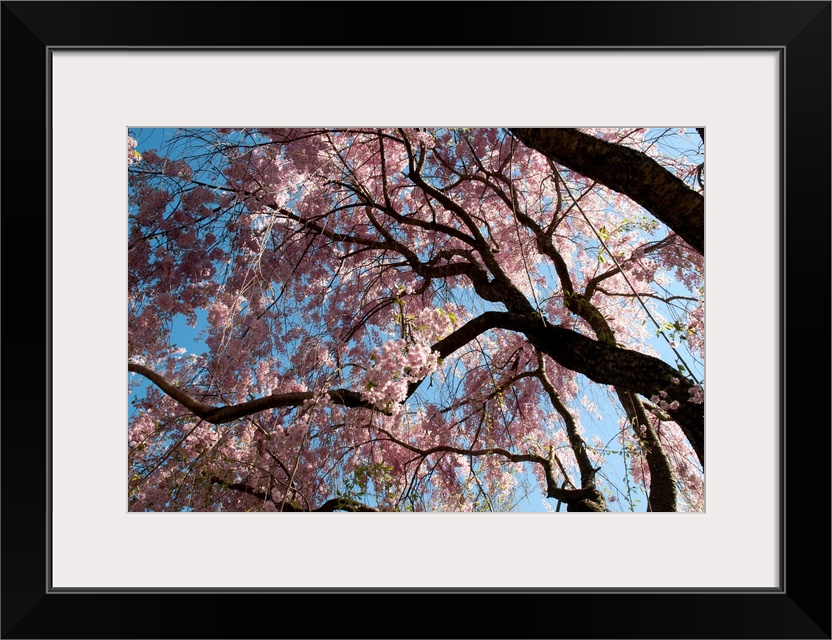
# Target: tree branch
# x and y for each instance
(629, 172)
(335, 504)
(227, 413)
(568, 496)
(601, 362)
(575, 440)
(604, 363)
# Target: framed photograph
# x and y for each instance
(116, 510)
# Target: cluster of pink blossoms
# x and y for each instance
(396, 365)
(400, 362)
(662, 403)
(434, 323)
(133, 156)
(697, 394)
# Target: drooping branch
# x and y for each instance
(592, 283)
(662, 487)
(619, 367)
(601, 362)
(244, 488)
(662, 495)
(575, 440)
(335, 504)
(227, 413)
(313, 226)
(507, 292)
(604, 363)
(568, 496)
(491, 291)
(345, 397)
(629, 172)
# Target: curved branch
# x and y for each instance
(244, 488)
(344, 504)
(629, 172)
(477, 275)
(218, 415)
(568, 496)
(618, 367)
(505, 290)
(662, 496)
(575, 440)
(604, 363)
(592, 283)
(601, 362)
(335, 504)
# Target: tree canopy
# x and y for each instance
(416, 319)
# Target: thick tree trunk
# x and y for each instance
(607, 364)
(629, 172)
(662, 495)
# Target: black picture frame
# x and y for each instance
(800, 608)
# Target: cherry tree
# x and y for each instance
(435, 319)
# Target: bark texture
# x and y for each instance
(629, 172)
